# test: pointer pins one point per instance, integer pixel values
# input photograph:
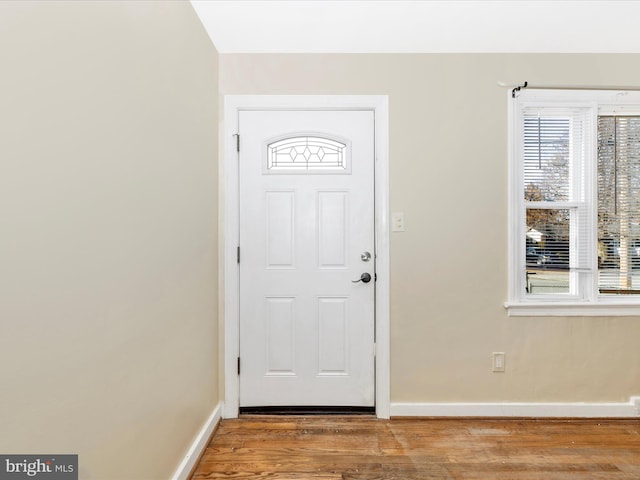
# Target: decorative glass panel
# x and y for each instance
(306, 153)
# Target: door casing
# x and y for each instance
(231, 228)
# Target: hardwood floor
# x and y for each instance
(364, 448)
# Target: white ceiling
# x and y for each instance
(345, 26)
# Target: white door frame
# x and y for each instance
(230, 223)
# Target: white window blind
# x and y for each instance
(555, 194)
(547, 156)
(619, 205)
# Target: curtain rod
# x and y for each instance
(517, 87)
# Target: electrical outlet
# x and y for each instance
(397, 222)
(498, 362)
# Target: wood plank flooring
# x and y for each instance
(364, 448)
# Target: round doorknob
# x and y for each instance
(364, 278)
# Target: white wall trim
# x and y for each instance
(190, 460)
(232, 106)
(576, 309)
(585, 410)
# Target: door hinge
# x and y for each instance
(238, 365)
(237, 135)
(375, 277)
(238, 254)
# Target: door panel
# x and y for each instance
(306, 216)
(280, 229)
(280, 338)
(333, 342)
(332, 229)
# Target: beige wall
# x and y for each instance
(108, 233)
(448, 169)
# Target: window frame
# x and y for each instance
(585, 299)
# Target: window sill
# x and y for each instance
(572, 309)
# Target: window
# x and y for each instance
(575, 203)
(307, 154)
(619, 204)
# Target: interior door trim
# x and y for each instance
(229, 224)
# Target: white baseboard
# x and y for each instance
(199, 444)
(586, 410)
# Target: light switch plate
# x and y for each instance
(397, 222)
(498, 359)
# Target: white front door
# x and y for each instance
(306, 234)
